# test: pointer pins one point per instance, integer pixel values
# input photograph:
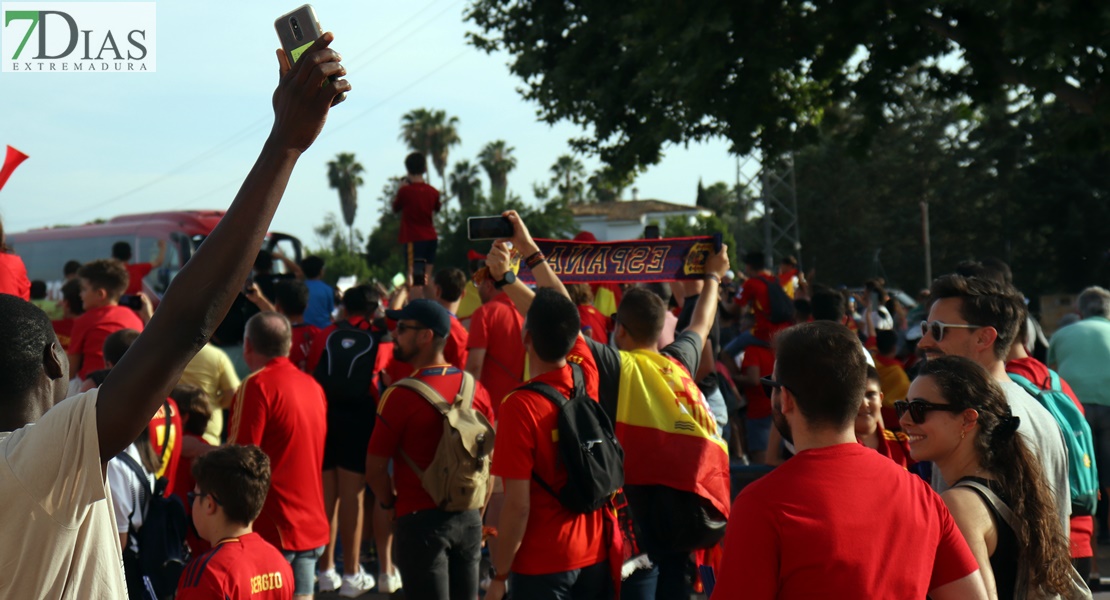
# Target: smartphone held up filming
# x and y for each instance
(488, 228)
(297, 30)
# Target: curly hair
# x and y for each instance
(1042, 543)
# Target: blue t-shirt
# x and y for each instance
(321, 301)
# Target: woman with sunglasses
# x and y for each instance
(957, 417)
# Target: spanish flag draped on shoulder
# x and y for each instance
(660, 407)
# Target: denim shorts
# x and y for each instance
(304, 569)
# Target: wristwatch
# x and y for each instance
(507, 279)
(498, 576)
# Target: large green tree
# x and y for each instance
(767, 72)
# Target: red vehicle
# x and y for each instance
(45, 251)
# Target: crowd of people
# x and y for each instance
(482, 437)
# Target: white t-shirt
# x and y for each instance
(125, 491)
(56, 520)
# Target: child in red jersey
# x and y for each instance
(102, 284)
(231, 487)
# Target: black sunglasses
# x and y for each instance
(918, 408)
(770, 384)
(937, 328)
(194, 495)
(403, 327)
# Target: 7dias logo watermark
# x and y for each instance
(99, 37)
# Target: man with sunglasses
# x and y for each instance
(979, 319)
(436, 551)
(798, 532)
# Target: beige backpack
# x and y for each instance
(458, 477)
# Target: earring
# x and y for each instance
(963, 434)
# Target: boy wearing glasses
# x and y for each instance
(231, 486)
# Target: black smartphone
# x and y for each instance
(488, 228)
(651, 232)
(132, 302)
(297, 30)
(419, 266)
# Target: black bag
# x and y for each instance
(161, 540)
(782, 307)
(346, 369)
(590, 452)
(672, 520)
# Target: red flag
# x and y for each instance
(10, 163)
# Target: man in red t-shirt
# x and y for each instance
(102, 283)
(754, 294)
(1082, 527)
(231, 486)
(547, 551)
(801, 531)
(496, 350)
(758, 363)
(417, 202)
(121, 251)
(436, 551)
(283, 411)
(291, 299)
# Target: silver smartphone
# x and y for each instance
(297, 30)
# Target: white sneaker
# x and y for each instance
(357, 584)
(389, 582)
(329, 580)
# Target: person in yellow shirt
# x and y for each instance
(212, 371)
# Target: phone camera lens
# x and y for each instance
(296, 29)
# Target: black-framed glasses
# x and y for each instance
(403, 327)
(937, 328)
(769, 385)
(918, 409)
(194, 495)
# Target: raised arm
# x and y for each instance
(705, 311)
(498, 262)
(161, 257)
(201, 294)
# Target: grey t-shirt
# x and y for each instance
(1044, 439)
(686, 349)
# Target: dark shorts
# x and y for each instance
(425, 250)
(349, 430)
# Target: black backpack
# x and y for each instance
(782, 307)
(346, 369)
(593, 457)
(162, 552)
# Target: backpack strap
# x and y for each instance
(142, 498)
(1054, 381)
(995, 502)
(427, 392)
(1025, 384)
(559, 401)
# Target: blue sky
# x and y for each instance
(184, 137)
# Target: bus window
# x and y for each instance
(159, 279)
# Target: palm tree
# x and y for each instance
(497, 159)
(343, 175)
(465, 182)
(567, 176)
(431, 133)
(416, 130)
